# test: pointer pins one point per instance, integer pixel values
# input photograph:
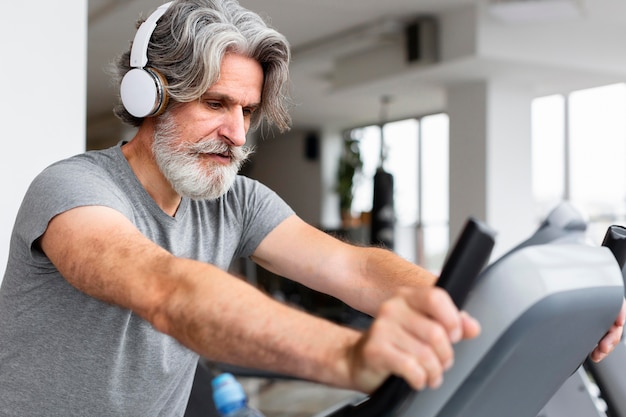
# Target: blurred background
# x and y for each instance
(497, 109)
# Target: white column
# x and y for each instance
(330, 150)
(490, 159)
(42, 111)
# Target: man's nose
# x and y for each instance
(235, 127)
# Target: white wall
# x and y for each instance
(281, 163)
(42, 114)
(490, 160)
(332, 145)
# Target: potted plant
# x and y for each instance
(350, 165)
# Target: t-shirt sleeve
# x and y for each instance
(263, 210)
(61, 187)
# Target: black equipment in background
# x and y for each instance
(383, 214)
(383, 210)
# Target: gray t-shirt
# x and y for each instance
(64, 353)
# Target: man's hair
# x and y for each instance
(187, 47)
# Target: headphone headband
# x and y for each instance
(139, 51)
(142, 90)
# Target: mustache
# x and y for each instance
(237, 153)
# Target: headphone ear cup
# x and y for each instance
(143, 92)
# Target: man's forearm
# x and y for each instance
(225, 319)
(379, 275)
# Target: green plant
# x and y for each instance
(350, 165)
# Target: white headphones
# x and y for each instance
(143, 89)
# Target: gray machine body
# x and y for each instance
(542, 310)
(578, 396)
(543, 307)
(610, 374)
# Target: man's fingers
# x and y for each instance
(416, 331)
(471, 326)
(607, 344)
(392, 348)
(413, 327)
(437, 305)
(621, 317)
(412, 337)
(422, 369)
(611, 338)
(427, 357)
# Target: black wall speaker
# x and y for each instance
(311, 146)
(421, 40)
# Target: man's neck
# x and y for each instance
(138, 153)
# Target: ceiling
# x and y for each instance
(345, 52)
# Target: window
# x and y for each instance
(416, 154)
(435, 195)
(548, 152)
(579, 154)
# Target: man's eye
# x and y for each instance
(248, 111)
(214, 105)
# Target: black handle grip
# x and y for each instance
(467, 259)
(464, 263)
(615, 240)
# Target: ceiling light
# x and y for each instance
(533, 10)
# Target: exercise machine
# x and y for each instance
(543, 308)
(595, 389)
(608, 374)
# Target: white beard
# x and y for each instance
(184, 167)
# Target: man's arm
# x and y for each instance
(213, 313)
(415, 323)
(223, 318)
(362, 277)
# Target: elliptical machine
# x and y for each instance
(543, 308)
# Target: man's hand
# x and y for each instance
(611, 338)
(412, 338)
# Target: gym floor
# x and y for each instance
(274, 395)
(292, 398)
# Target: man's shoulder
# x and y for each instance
(247, 184)
(87, 158)
(94, 175)
(89, 163)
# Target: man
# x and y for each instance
(116, 278)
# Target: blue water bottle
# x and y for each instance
(230, 399)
